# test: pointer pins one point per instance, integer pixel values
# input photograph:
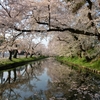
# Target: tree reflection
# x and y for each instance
(20, 75)
(1, 76)
(14, 70)
(64, 83)
(68, 84)
(36, 96)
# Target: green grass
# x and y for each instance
(80, 62)
(5, 63)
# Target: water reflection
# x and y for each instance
(47, 80)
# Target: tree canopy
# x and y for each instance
(23, 17)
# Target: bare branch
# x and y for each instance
(60, 39)
(8, 12)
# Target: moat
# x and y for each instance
(47, 79)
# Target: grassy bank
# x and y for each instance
(6, 63)
(81, 63)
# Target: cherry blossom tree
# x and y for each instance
(22, 17)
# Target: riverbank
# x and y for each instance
(8, 64)
(80, 63)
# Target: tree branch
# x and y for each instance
(8, 12)
(55, 28)
(90, 4)
(90, 18)
(77, 31)
(60, 39)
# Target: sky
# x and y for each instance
(44, 41)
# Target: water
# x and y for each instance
(47, 80)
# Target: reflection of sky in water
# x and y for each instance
(32, 87)
(5, 75)
(34, 81)
(42, 82)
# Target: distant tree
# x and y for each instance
(27, 45)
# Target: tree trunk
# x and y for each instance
(88, 59)
(10, 54)
(79, 54)
(15, 53)
(31, 55)
(26, 54)
(3, 55)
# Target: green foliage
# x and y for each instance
(91, 51)
(96, 65)
(80, 62)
